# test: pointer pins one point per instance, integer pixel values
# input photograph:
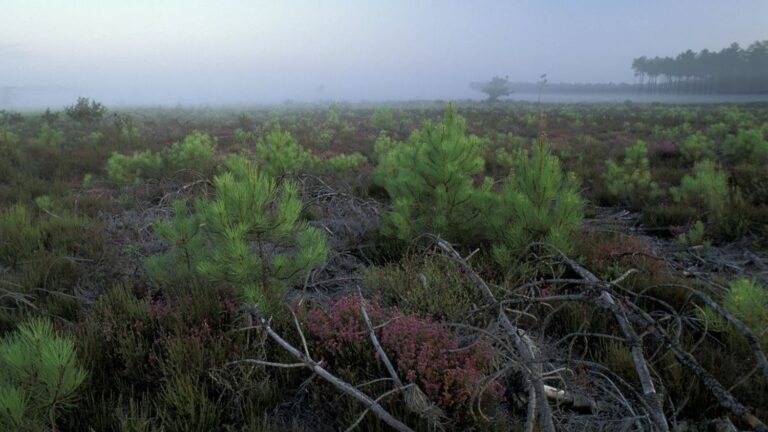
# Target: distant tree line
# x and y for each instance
(731, 70)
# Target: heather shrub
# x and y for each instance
(752, 180)
(430, 179)
(21, 237)
(423, 351)
(538, 203)
(10, 156)
(124, 169)
(630, 183)
(426, 286)
(195, 152)
(279, 153)
(697, 147)
(39, 377)
(609, 255)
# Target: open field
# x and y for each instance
(478, 266)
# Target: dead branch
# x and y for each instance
(341, 385)
(633, 340)
(415, 399)
(523, 344)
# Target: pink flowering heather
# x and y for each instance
(424, 351)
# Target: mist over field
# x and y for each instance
(253, 52)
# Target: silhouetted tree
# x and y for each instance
(496, 88)
(731, 70)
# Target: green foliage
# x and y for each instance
(130, 169)
(184, 405)
(430, 179)
(425, 285)
(39, 377)
(630, 183)
(20, 235)
(695, 236)
(50, 137)
(747, 146)
(44, 202)
(250, 210)
(86, 111)
(196, 152)
(706, 189)
(383, 119)
(278, 153)
(538, 203)
(186, 247)
(345, 162)
(747, 300)
(697, 147)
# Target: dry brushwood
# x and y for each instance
(523, 344)
(633, 314)
(305, 360)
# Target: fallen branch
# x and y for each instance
(369, 403)
(523, 344)
(415, 399)
(633, 340)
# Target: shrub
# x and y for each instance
(196, 152)
(747, 300)
(86, 111)
(430, 180)
(50, 137)
(186, 247)
(752, 180)
(39, 377)
(20, 236)
(697, 147)
(249, 208)
(695, 236)
(10, 156)
(278, 153)
(130, 169)
(423, 351)
(747, 146)
(538, 203)
(630, 183)
(382, 119)
(427, 286)
(345, 162)
(706, 189)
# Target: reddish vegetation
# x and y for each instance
(424, 351)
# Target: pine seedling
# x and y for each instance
(430, 179)
(630, 183)
(279, 153)
(186, 247)
(257, 241)
(538, 203)
(39, 377)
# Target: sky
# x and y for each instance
(168, 52)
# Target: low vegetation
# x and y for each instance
(504, 266)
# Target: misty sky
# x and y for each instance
(238, 51)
